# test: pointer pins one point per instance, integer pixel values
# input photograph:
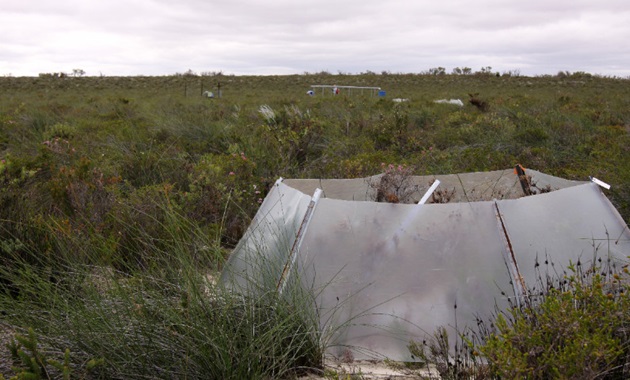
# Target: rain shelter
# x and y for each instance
(384, 274)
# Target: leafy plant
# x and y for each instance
(574, 327)
(31, 362)
(225, 192)
(438, 355)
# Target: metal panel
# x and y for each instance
(466, 187)
(259, 258)
(563, 226)
(384, 274)
(392, 272)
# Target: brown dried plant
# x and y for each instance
(395, 185)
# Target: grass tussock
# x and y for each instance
(162, 319)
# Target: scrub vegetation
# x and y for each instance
(121, 197)
(572, 324)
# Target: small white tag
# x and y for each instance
(601, 183)
(426, 196)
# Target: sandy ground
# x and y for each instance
(6, 335)
(369, 370)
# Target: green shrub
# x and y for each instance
(437, 354)
(532, 136)
(359, 165)
(574, 327)
(224, 190)
(152, 163)
(291, 138)
(31, 362)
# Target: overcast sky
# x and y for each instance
(243, 37)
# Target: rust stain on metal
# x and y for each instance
(522, 177)
(519, 278)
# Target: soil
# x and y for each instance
(369, 370)
(6, 335)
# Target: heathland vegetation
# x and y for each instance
(121, 197)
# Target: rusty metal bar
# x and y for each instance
(522, 177)
(520, 289)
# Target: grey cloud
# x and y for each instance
(243, 36)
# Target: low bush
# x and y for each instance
(575, 326)
(569, 326)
